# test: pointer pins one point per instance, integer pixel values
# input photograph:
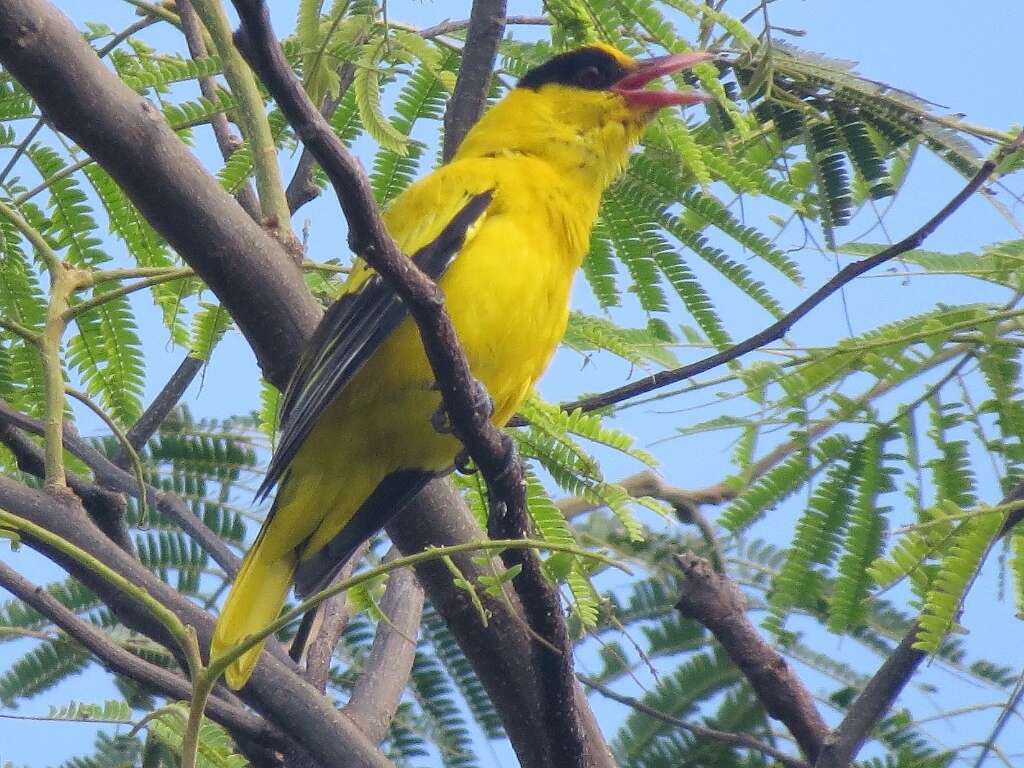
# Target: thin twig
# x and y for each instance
(740, 740)
(447, 27)
(649, 483)
(781, 327)
(149, 422)
(123, 662)
(112, 477)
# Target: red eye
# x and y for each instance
(589, 77)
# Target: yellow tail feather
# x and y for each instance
(255, 600)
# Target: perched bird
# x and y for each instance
(357, 438)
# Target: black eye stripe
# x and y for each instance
(590, 68)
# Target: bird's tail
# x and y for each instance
(255, 600)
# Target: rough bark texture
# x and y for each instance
(263, 290)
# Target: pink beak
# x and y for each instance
(631, 87)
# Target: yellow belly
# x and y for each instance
(509, 321)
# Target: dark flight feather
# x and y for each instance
(352, 329)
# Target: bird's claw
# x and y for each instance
(464, 463)
(481, 400)
(483, 403)
(440, 422)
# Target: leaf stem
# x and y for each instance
(126, 444)
(252, 120)
(219, 664)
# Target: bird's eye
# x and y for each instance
(589, 77)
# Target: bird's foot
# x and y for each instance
(483, 403)
(481, 400)
(464, 463)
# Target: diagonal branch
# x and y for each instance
(484, 31)
(492, 451)
(304, 715)
(113, 478)
(379, 688)
(713, 600)
(739, 740)
(117, 659)
(129, 137)
(843, 744)
(781, 327)
(151, 419)
(105, 508)
(326, 625)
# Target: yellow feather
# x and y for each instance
(547, 154)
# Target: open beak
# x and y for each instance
(632, 86)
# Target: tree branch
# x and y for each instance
(165, 401)
(105, 508)
(128, 136)
(740, 740)
(713, 600)
(447, 27)
(486, 26)
(781, 327)
(306, 716)
(327, 624)
(117, 659)
(379, 688)
(491, 451)
(647, 482)
(112, 478)
(843, 744)
(501, 651)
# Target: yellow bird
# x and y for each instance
(357, 439)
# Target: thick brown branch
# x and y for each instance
(112, 478)
(117, 659)
(713, 600)
(781, 327)
(486, 26)
(491, 450)
(740, 740)
(501, 651)
(379, 688)
(129, 137)
(105, 508)
(306, 716)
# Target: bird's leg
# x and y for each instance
(464, 463)
(482, 402)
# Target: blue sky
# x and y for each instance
(962, 55)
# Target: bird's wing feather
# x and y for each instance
(355, 326)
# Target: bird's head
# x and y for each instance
(582, 110)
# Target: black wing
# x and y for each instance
(352, 329)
